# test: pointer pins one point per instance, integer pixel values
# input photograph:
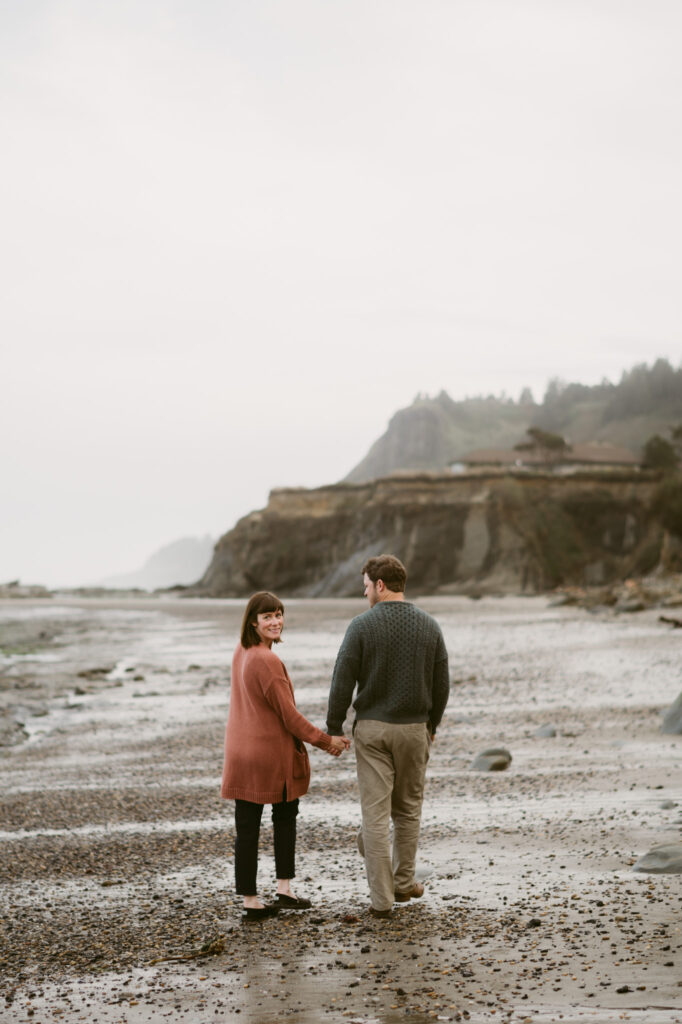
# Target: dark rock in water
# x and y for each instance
(661, 860)
(672, 721)
(545, 732)
(668, 805)
(496, 759)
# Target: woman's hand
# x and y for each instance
(337, 745)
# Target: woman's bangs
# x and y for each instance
(269, 603)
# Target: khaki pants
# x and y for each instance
(391, 764)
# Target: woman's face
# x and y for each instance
(269, 626)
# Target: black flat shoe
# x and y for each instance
(292, 902)
(259, 913)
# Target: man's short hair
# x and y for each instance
(389, 569)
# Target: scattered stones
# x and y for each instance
(661, 860)
(672, 721)
(130, 860)
(495, 759)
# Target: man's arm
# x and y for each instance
(344, 678)
(440, 690)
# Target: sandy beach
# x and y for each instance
(116, 850)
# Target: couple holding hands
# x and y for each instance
(395, 654)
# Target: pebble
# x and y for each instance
(545, 732)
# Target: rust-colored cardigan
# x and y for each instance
(263, 751)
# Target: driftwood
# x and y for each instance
(676, 623)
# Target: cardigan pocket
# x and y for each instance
(301, 762)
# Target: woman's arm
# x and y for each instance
(278, 695)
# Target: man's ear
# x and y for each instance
(380, 585)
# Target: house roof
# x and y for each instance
(595, 453)
(602, 452)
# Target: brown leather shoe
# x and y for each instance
(414, 893)
(380, 913)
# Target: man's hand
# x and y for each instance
(337, 745)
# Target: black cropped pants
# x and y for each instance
(247, 818)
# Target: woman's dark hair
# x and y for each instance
(389, 569)
(263, 601)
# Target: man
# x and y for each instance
(396, 654)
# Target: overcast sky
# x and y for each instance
(237, 236)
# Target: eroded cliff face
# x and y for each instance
(488, 533)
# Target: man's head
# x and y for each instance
(384, 577)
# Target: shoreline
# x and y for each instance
(116, 849)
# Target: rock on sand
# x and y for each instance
(545, 732)
(672, 721)
(662, 860)
(496, 759)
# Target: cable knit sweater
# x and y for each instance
(396, 654)
(263, 748)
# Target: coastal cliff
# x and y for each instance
(474, 533)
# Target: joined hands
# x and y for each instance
(338, 745)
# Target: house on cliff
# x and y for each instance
(597, 455)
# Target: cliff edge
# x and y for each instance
(490, 532)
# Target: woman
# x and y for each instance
(265, 759)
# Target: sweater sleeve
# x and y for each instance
(344, 678)
(278, 695)
(440, 691)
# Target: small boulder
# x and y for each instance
(672, 720)
(661, 860)
(496, 759)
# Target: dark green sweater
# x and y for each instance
(396, 654)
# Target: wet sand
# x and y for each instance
(116, 850)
